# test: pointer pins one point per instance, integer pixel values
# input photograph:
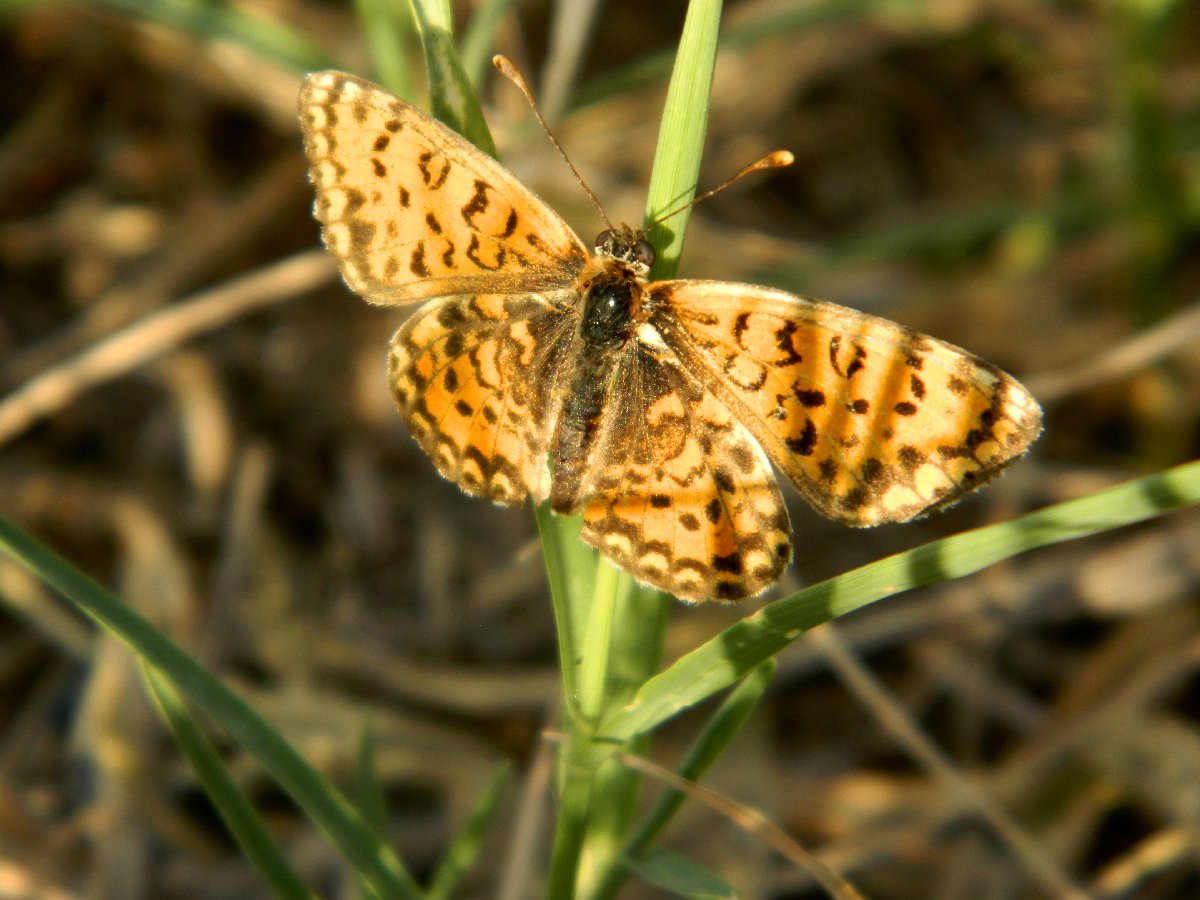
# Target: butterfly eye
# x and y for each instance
(643, 253)
(604, 241)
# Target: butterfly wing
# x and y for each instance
(872, 421)
(476, 379)
(412, 210)
(679, 494)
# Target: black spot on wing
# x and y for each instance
(783, 340)
(712, 511)
(811, 398)
(417, 264)
(804, 444)
(729, 562)
(510, 224)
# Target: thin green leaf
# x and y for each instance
(723, 660)
(725, 724)
(308, 787)
(390, 33)
(683, 877)
(599, 796)
(635, 655)
(570, 571)
(480, 37)
(597, 643)
(575, 796)
(368, 792)
(451, 97)
(236, 811)
(263, 37)
(464, 850)
(641, 623)
(681, 135)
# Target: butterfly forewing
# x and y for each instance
(872, 421)
(413, 211)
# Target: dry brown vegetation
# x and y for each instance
(195, 412)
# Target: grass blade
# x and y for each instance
(730, 655)
(598, 796)
(236, 811)
(389, 30)
(323, 804)
(480, 37)
(268, 38)
(725, 724)
(466, 846)
(681, 135)
(451, 97)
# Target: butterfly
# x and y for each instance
(539, 368)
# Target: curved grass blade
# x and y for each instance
(730, 655)
(721, 729)
(464, 850)
(236, 811)
(321, 802)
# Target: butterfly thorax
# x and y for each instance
(612, 300)
(612, 308)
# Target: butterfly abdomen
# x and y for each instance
(606, 326)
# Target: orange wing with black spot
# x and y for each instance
(412, 211)
(677, 492)
(477, 378)
(872, 421)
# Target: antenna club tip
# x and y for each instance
(501, 62)
(777, 160)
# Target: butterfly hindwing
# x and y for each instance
(475, 379)
(678, 492)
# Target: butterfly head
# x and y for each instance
(629, 245)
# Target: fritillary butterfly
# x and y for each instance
(536, 368)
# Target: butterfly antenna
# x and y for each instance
(509, 71)
(778, 160)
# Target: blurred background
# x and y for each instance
(194, 409)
